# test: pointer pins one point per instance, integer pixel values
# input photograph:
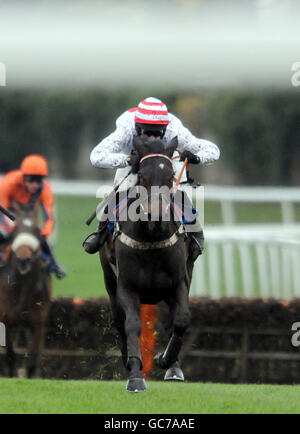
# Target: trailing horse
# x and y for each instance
(152, 264)
(25, 288)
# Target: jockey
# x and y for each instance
(26, 186)
(150, 118)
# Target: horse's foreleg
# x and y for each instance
(10, 354)
(36, 336)
(130, 303)
(119, 319)
(181, 321)
(117, 311)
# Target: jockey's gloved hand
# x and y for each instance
(134, 162)
(192, 158)
(43, 238)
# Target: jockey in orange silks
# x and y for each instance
(27, 185)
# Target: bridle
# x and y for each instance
(156, 155)
(26, 240)
(185, 164)
(130, 242)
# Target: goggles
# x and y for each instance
(150, 133)
(33, 178)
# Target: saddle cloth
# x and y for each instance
(185, 214)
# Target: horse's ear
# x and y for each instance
(172, 147)
(138, 145)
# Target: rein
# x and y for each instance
(184, 167)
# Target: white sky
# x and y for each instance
(180, 45)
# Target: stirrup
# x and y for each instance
(196, 247)
(199, 244)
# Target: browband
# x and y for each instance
(156, 155)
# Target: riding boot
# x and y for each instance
(196, 244)
(192, 225)
(106, 215)
(93, 243)
(59, 272)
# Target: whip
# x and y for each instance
(94, 215)
(7, 213)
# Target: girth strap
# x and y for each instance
(139, 245)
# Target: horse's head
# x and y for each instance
(26, 244)
(156, 168)
(156, 175)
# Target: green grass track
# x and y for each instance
(110, 397)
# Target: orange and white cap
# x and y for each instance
(152, 111)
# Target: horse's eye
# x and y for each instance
(142, 178)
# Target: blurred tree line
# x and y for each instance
(258, 133)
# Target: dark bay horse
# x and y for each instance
(152, 265)
(25, 288)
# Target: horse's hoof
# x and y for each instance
(174, 373)
(136, 385)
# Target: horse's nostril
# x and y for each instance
(23, 265)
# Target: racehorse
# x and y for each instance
(152, 265)
(25, 288)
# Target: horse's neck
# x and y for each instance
(147, 230)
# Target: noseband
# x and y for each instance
(26, 240)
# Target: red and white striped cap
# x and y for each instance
(152, 111)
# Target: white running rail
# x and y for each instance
(228, 196)
(257, 261)
(248, 261)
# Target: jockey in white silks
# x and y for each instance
(150, 118)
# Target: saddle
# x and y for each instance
(108, 229)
